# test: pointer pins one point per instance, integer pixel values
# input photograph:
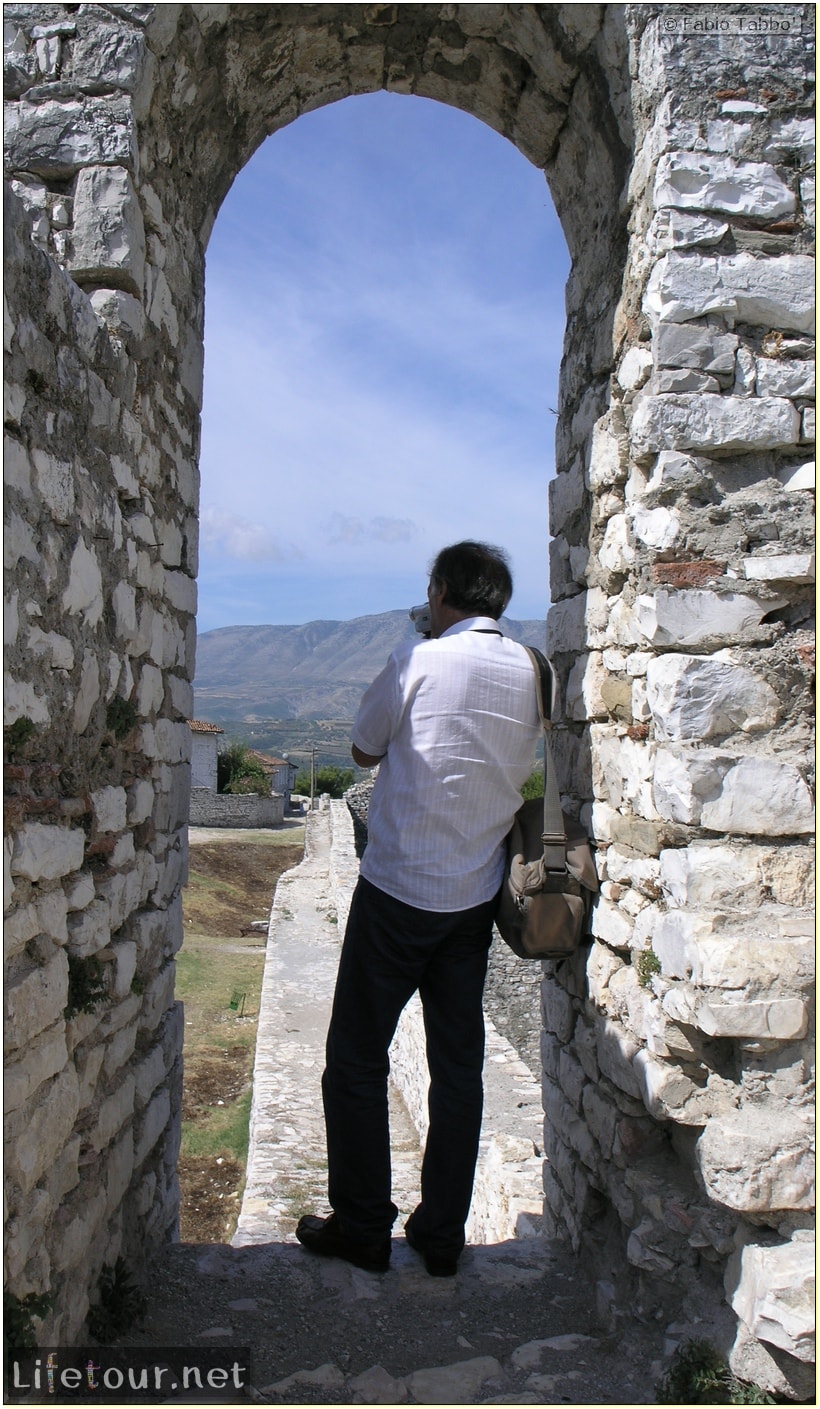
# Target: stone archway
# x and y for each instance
(684, 203)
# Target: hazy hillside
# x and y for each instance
(314, 671)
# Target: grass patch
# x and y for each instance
(231, 882)
(225, 1135)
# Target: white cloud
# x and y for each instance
(341, 528)
(227, 533)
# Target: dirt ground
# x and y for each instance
(233, 877)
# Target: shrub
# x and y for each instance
(236, 772)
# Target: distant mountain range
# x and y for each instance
(315, 671)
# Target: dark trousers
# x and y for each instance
(390, 950)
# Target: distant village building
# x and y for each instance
(209, 808)
(204, 750)
(280, 771)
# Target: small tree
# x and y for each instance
(236, 772)
(329, 779)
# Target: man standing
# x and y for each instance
(452, 723)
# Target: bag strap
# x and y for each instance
(554, 834)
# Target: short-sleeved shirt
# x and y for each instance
(457, 722)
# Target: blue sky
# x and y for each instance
(384, 321)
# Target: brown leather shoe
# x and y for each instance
(324, 1236)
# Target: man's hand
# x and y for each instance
(365, 760)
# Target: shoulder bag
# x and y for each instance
(550, 874)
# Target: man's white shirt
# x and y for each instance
(457, 720)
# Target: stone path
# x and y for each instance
(516, 1325)
(287, 1172)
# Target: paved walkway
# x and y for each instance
(287, 1171)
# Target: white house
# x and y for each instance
(281, 773)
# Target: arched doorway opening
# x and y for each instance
(384, 318)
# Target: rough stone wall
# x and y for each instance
(210, 809)
(680, 165)
(677, 1051)
(97, 657)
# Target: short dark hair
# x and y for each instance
(476, 578)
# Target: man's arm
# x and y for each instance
(365, 760)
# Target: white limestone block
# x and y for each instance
(114, 1112)
(808, 424)
(180, 591)
(601, 965)
(80, 891)
(140, 801)
(692, 616)
(621, 628)
(761, 797)
(121, 312)
(160, 303)
(610, 924)
(108, 808)
(622, 771)
(84, 590)
(151, 690)
(769, 949)
(685, 779)
(676, 229)
(38, 1131)
(35, 1001)
(726, 136)
(708, 422)
(18, 542)
(44, 853)
(43, 1057)
(657, 528)
(745, 373)
(615, 1051)
(53, 138)
(49, 643)
(772, 1290)
(785, 378)
(698, 181)
(89, 930)
(635, 368)
(777, 1019)
(777, 292)
(124, 477)
(108, 235)
(701, 697)
(584, 698)
(795, 477)
(607, 456)
(682, 381)
(710, 874)
(55, 481)
(616, 553)
(790, 134)
(780, 567)
(88, 692)
(627, 869)
(758, 1160)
